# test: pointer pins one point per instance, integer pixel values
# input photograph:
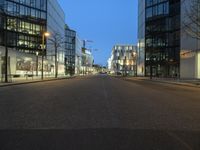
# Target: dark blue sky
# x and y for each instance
(106, 22)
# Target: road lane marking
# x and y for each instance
(177, 138)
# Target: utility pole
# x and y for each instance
(45, 34)
(42, 77)
(37, 53)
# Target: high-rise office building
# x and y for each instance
(56, 28)
(162, 38)
(21, 26)
(23, 22)
(168, 50)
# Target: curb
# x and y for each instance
(174, 83)
(159, 81)
(37, 81)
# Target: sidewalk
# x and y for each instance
(181, 82)
(19, 81)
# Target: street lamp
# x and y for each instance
(45, 34)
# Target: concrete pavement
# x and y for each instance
(180, 82)
(99, 112)
(33, 80)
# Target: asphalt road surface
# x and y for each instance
(99, 113)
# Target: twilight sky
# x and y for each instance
(106, 22)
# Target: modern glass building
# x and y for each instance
(56, 26)
(162, 38)
(22, 25)
(169, 51)
(70, 50)
(23, 22)
(78, 59)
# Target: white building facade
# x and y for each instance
(123, 60)
(141, 38)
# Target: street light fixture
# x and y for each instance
(45, 34)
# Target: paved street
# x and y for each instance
(99, 112)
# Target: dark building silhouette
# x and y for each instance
(162, 38)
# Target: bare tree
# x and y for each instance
(56, 40)
(191, 22)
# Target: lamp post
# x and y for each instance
(37, 53)
(45, 34)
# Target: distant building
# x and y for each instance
(87, 62)
(78, 56)
(70, 50)
(78, 60)
(123, 60)
(109, 63)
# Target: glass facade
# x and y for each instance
(23, 22)
(78, 59)
(70, 50)
(141, 38)
(55, 25)
(162, 38)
